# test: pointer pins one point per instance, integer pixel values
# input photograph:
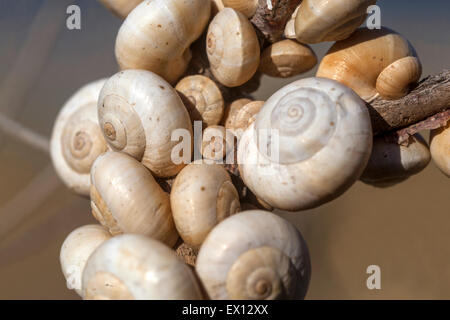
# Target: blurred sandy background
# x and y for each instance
(405, 229)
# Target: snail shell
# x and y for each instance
(157, 34)
(232, 47)
(324, 20)
(440, 148)
(136, 267)
(373, 63)
(202, 98)
(138, 112)
(287, 58)
(120, 8)
(254, 255)
(77, 139)
(391, 163)
(310, 142)
(77, 248)
(125, 198)
(247, 7)
(217, 142)
(202, 196)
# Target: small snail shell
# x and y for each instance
(247, 7)
(120, 8)
(324, 20)
(125, 198)
(217, 142)
(287, 58)
(231, 110)
(310, 142)
(254, 255)
(202, 196)
(157, 34)
(391, 163)
(440, 148)
(244, 117)
(77, 248)
(133, 266)
(289, 30)
(77, 139)
(138, 111)
(202, 98)
(373, 63)
(232, 47)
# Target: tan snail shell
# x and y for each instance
(77, 139)
(247, 7)
(125, 198)
(232, 47)
(440, 148)
(391, 163)
(325, 20)
(157, 34)
(373, 63)
(216, 143)
(202, 98)
(202, 196)
(138, 111)
(77, 248)
(244, 117)
(133, 266)
(254, 255)
(120, 8)
(231, 110)
(287, 58)
(310, 142)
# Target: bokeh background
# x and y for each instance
(404, 229)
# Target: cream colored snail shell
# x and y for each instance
(324, 20)
(216, 143)
(374, 63)
(310, 142)
(247, 7)
(244, 117)
(287, 58)
(202, 98)
(120, 8)
(254, 255)
(77, 248)
(202, 196)
(232, 47)
(138, 111)
(125, 198)
(77, 139)
(135, 267)
(440, 148)
(391, 163)
(157, 34)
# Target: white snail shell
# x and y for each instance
(202, 196)
(324, 142)
(440, 148)
(157, 34)
(138, 111)
(232, 47)
(77, 139)
(120, 8)
(136, 267)
(125, 198)
(391, 163)
(77, 248)
(254, 255)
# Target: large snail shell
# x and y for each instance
(136, 267)
(120, 8)
(157, 34)
(138, 112)
(373, 63)
(440, 148)
(202, 98)
(77, 139)
(125, 198)
(325, 20)
(310, 142)
(391, 163)
(254, 255)
(77, 248)
(233, 48)
(202, 196)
